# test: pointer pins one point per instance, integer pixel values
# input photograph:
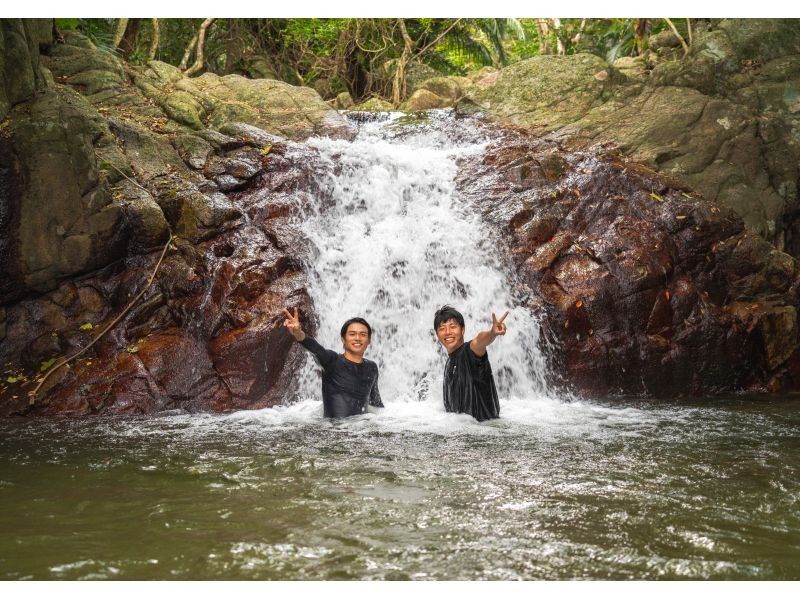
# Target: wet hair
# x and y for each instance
(447, 312)
(346, 325)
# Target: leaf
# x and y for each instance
(12, 379)
(46, 364)
(656, 197)
(265, 150)
(132, 348)
(87, 326)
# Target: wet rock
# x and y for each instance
(147, 224)
(641, 286)
(250, 135)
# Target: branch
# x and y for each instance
(445, 32)
(201, 42)
(679, 36)
(188, 53)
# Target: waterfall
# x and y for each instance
(393, 241)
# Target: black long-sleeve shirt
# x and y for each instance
(347, 387)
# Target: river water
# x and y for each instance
(558, 488)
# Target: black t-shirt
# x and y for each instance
(469, 385)
(347, 387)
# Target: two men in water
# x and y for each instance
(350, 382)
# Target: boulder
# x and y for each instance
(422, 99)
(641, 285)
(61, 218)
(547, 91)
(374, 104)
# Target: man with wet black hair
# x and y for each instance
(468, 381)
(349, 382)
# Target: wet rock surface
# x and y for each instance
(642, 286)
(133, 168)
(206, 334)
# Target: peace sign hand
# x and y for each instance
(292, 322)
(498, 328)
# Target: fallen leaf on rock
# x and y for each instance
(87, 326)
(45, 365)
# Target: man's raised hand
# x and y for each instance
(292, 322)
(498, 328)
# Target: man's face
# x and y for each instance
(451, 334)
(356, 339)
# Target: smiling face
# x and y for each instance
(355, 340)
(451, 334)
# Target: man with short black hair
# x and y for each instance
(349, 382)
(468, 381)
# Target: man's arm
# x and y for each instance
(484, 339)
(323, 355)
(375, 394)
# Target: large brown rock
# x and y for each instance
(641, 285)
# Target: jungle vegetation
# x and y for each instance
(365, 57)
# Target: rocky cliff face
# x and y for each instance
(101, 168)
(641, 285)
(724, 119)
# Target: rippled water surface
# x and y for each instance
(553, 490)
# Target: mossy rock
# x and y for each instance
(422, 99)
(547, 91)
(763, 39)
(194, 150)
(75, 230)
(450, 88)
(343, 101)
(374, 104)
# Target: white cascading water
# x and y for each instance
(392, 244)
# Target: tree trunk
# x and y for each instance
(399, 84)
(233, 47)
(543, 30)
(155, 41)
(128, 43)
(188, 53)
(642, 29)
(201, 42)
(122, 24)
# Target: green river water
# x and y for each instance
(553, 490)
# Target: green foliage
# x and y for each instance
(99, 31)
(360, 55)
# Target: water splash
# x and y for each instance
(393, 241)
